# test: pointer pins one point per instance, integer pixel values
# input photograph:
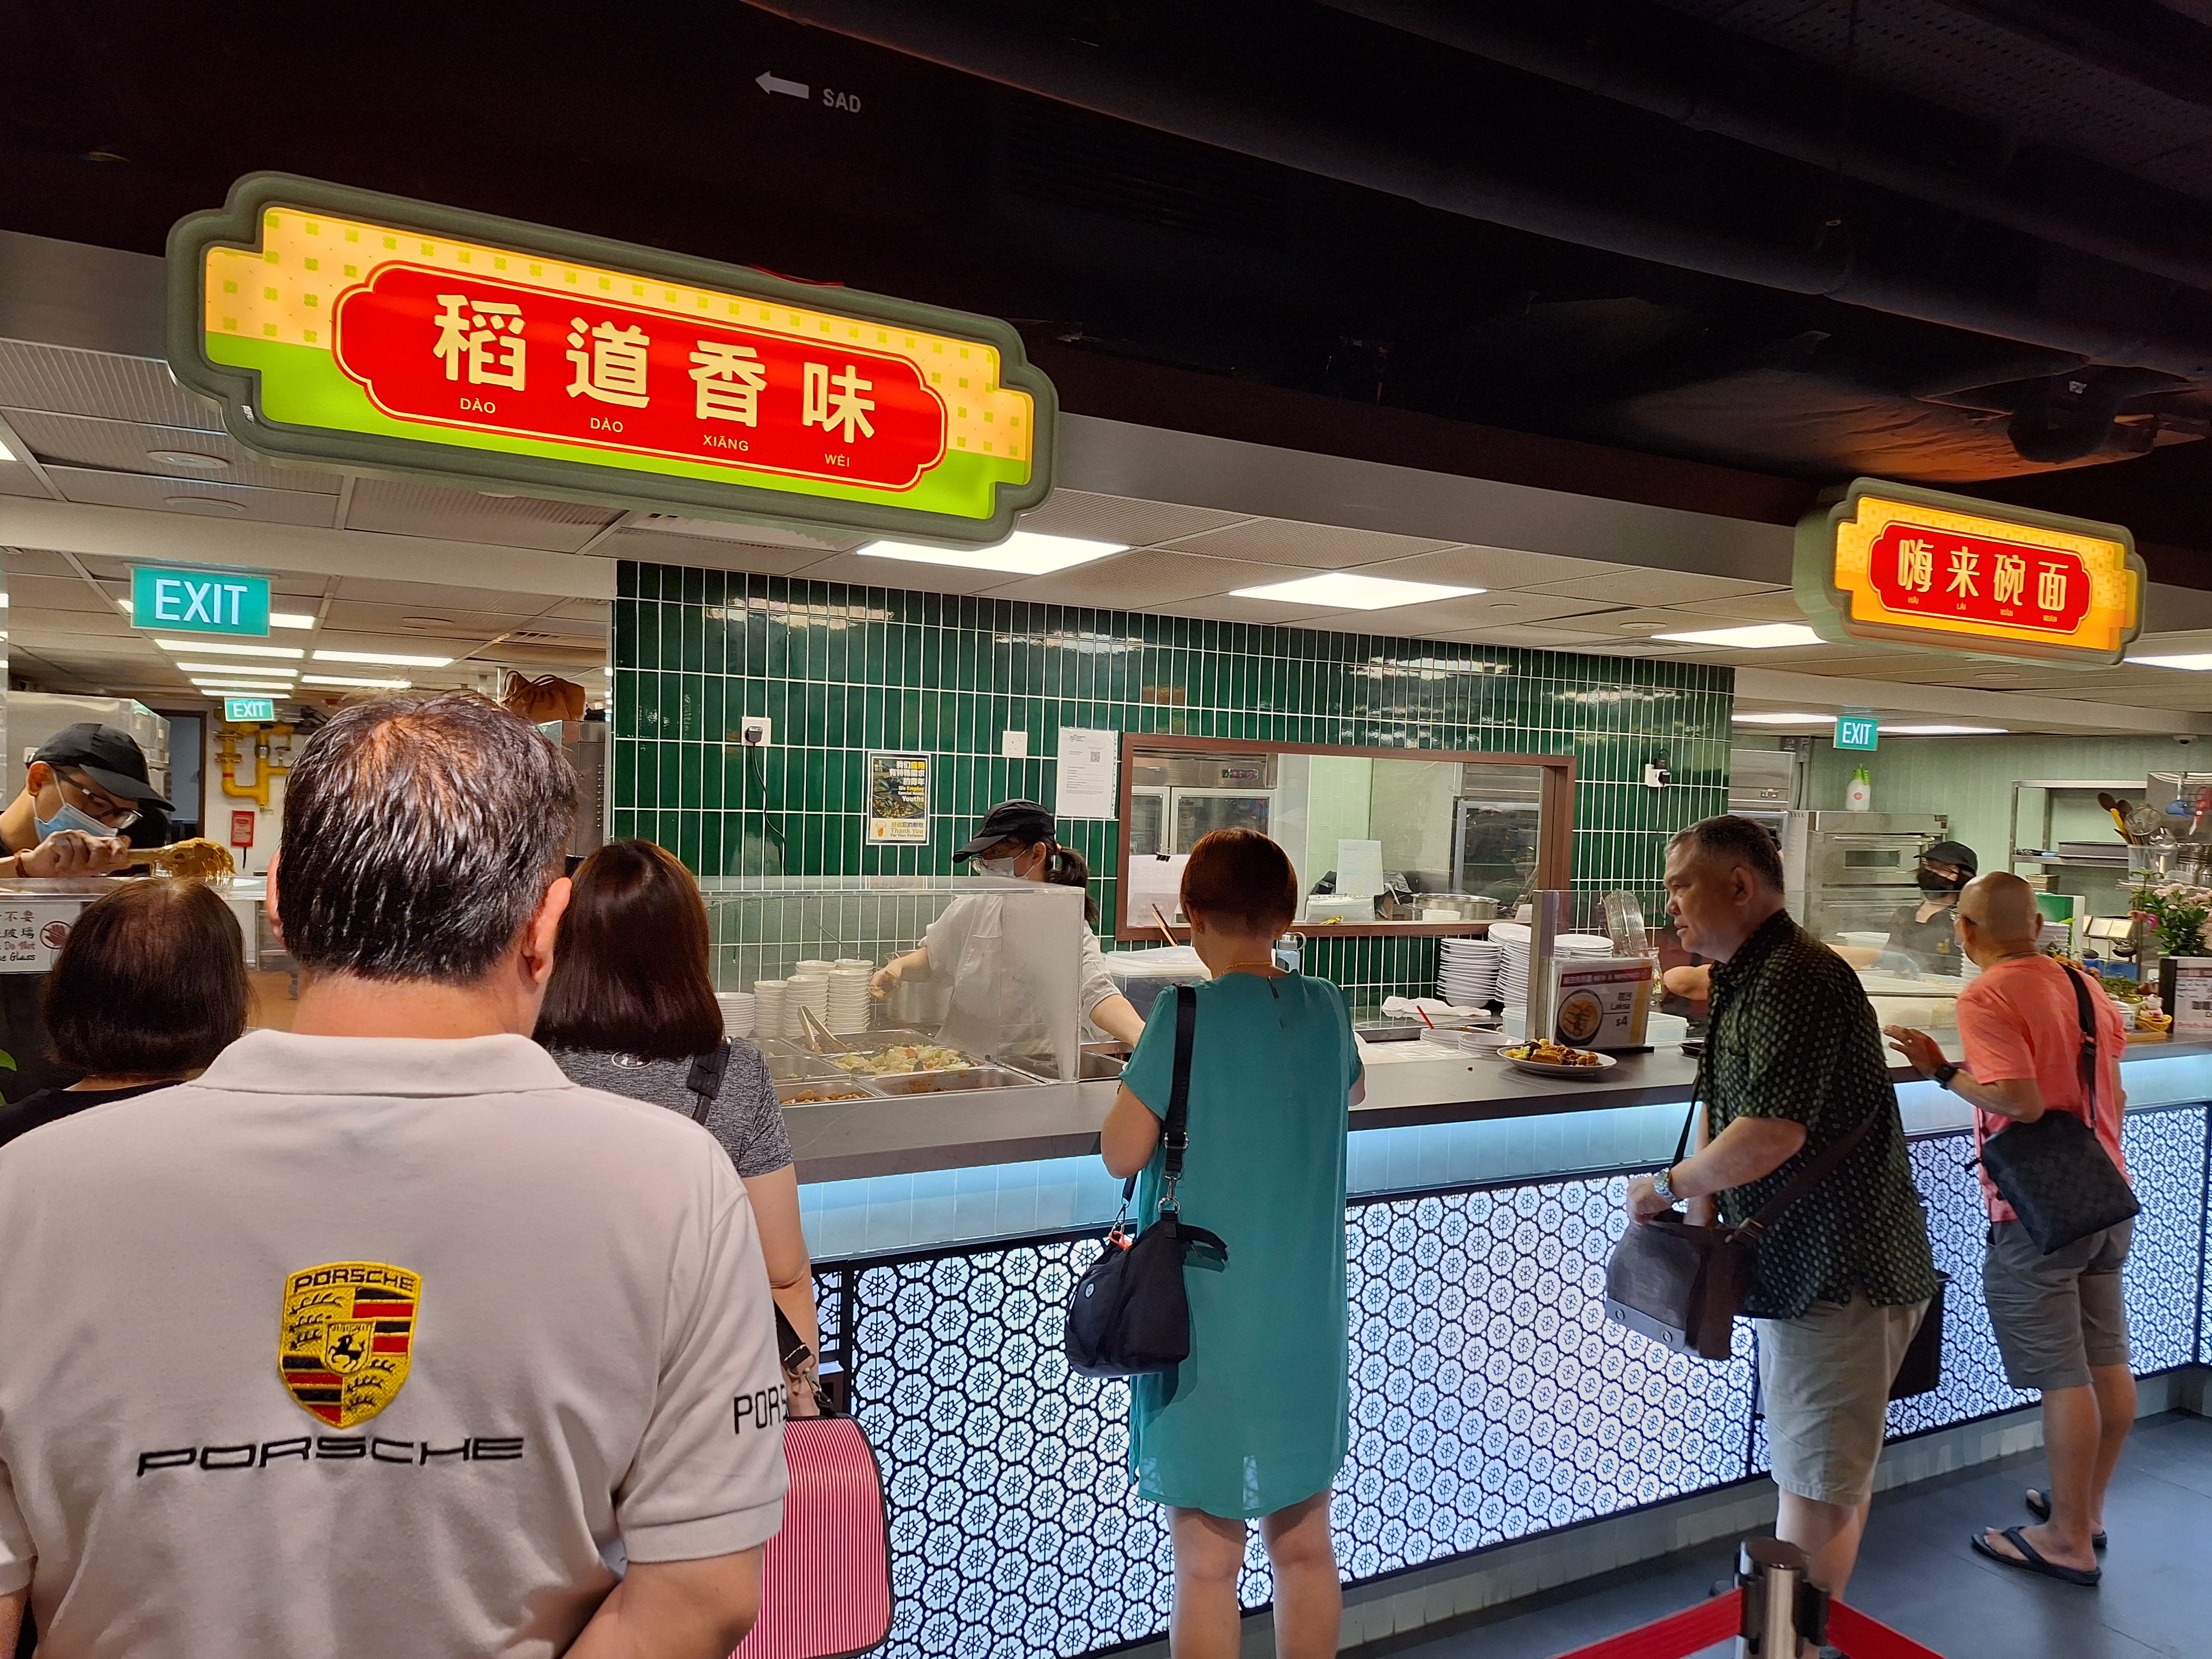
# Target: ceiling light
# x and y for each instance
(243, 685)
(273, 671)
(1780, 720)
(1764, 636)
(339, 679)
(10, 453)
(383, 657)
(1340, 589)
(290, 619)
(1024, 553)
(1943, 731)
(2198, 661)
(215, 649)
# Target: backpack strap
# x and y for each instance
(705, 1080)
(2088, 1052)
(1175, 1134)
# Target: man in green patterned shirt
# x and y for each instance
(1794, 1063)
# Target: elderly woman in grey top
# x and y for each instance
(631, 1009)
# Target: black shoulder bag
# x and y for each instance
(2055, 1172)
(1129, 1316)
(705, 1079)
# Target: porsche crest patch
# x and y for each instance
(346, 1337)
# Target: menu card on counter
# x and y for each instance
(1090, 774)
(1358, 869)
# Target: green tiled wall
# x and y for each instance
(841, 671)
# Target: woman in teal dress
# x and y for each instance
(1254, 1424)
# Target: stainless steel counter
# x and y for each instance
(1407, 1085)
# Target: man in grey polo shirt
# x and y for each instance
(383, 1337)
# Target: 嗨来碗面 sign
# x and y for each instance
(1903, 566)
(368, 332)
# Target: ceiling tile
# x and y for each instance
(1637, 584)
(435, 598)
(137, 489)
(1119, 519)
(705, 553)
(31, 595)
(71, 382)
(1223, 608)
(1533, 639)
(16, 479)
(1502, 609)
(857, 572)
(1312, 546)
(1779, 606)
(466, 515)
(1144, 576)
(1495, 568)
(126, 446)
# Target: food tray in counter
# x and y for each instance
(953, 1082)
(824, 1091)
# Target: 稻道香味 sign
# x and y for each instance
(338, 326)
(1904, 566)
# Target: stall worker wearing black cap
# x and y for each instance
(1020, 839)
(1925, 931)
(84, 789)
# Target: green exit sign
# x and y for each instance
(199, 601)
(241, 709)
(1857, 729)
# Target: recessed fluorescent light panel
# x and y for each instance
(1341, 590)
(338, 679)
(383, 658)
(291, 619)
(1780, 720)
(1764, 636)
(210, 647)
(243, 685)
(1943, 731)
(2199, 661)
(233, 668)
(1024, 553)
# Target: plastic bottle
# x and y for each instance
(1858, 797)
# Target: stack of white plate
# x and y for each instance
(1513, 967)
(807, 990)
(737, 1013)
(1467, 970)
(770, 1001)
(848, 999)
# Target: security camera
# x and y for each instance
(2185, 737)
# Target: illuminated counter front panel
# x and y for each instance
(1491, 1400)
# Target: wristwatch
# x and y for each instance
(1663, 1184)
(1943, 1074)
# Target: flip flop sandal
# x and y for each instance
(2029, 1560)
(2039, 1507)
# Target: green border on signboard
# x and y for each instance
(1827, 608)
(989, 495)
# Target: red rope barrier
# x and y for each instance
(1674, 1637)
(1694, 1629)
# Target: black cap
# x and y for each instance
(1953, 853)
(110, 758)
(1023, 821)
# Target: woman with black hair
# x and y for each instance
(1020, 839)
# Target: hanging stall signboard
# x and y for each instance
(1898, 565)
(344, 328)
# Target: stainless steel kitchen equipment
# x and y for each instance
(1763, 787)
(1849, 871)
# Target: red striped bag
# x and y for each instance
(826, 1584)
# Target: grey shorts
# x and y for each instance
(2056, 1315)
(1825, 1378)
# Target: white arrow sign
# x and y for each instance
(770, 83)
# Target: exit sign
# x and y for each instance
(199, 601)
(249, 708)
(1857, 730)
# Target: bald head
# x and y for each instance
(2001, 909)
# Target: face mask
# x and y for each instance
(69, 818)
(1932, 882)
(996, 867)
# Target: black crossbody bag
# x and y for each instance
(2055, 1172)
(1129, 1316)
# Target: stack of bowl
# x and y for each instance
(737, 1013)
(771, 1001)
(848, 998)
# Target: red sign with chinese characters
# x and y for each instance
(1917, 569)
(435, 345)
(241, 829)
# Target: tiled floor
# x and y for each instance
(1919, 1576)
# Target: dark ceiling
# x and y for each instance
(1963, 241)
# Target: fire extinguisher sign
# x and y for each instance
(241, 829)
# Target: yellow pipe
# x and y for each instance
(265, 765)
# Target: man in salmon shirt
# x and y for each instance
(2060, 1319)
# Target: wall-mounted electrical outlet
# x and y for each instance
(756, 731)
